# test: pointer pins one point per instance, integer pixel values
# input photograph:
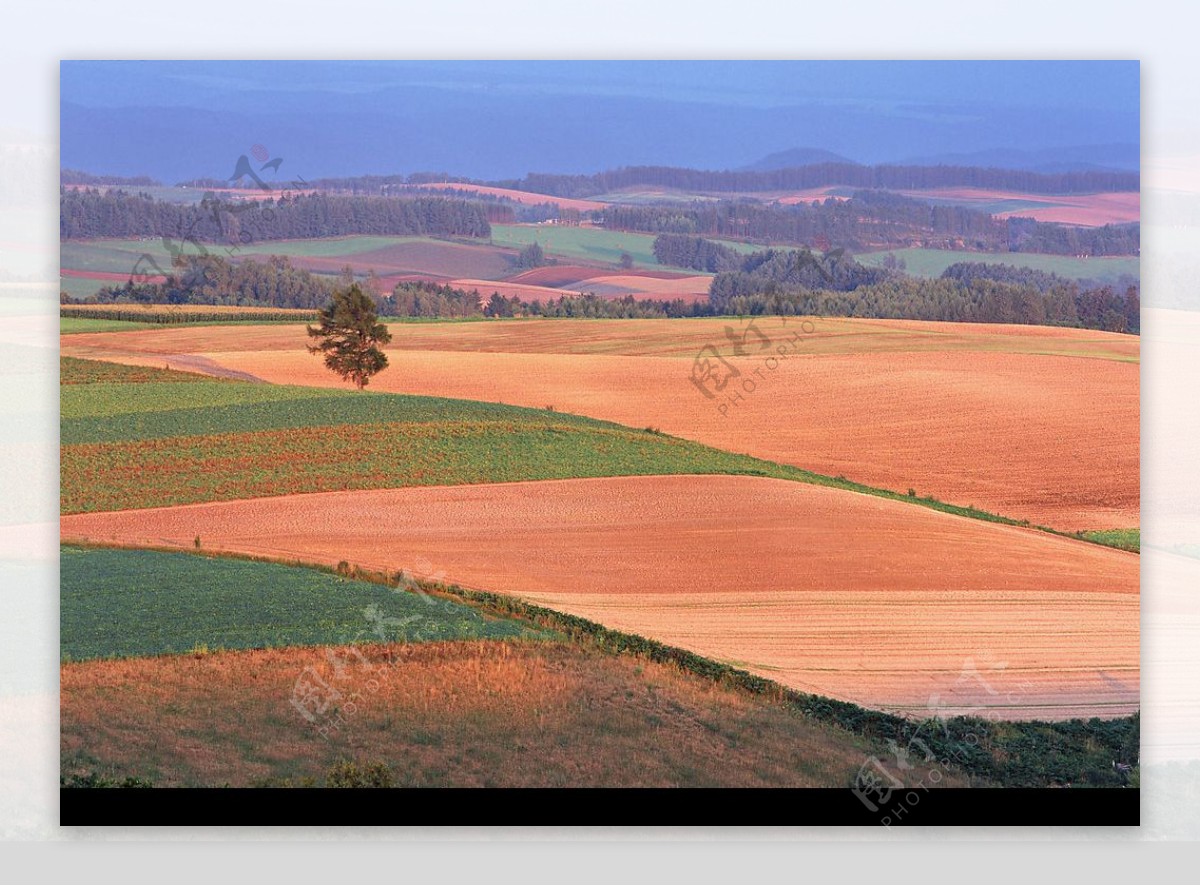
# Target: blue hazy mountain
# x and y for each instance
(795, 157)
(493, 120)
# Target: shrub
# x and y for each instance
(348, 774)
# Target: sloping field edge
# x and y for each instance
(757, 467)
(1007, 753)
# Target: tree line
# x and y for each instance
(212, 280)
(868, 220)
(79, 177)
(86, 214)
(817, 175)
(797, 283)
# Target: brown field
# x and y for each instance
(568, 275)
(509, 289)
(427, 258)
(690, 289)
(467, 714)
(1030, 422)
(524, 197)
(807, 196)
(827, 591)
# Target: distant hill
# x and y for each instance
(795, 157)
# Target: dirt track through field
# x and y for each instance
(1029, 422)
(827, 591)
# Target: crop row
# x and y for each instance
(183, 313)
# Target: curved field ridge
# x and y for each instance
(1033, 423)
(845, 595)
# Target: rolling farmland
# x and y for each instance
(824, 590)
(968, 414)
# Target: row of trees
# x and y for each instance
(870, 219)
(796, 283)
(683, 251)
(212, 280)
(823, 175)
(78, 177)
(86, 214)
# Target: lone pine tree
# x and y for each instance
(349, 335)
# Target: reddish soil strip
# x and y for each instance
(1034, 423)
(808, 196)
(1087, 210)
(508, 289)
(567, 275)
(524, 197)
(833, 592)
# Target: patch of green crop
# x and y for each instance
(122, 603)
(223, 467)
(73, 371)
(591, 245)
(1125, 539)
(69, 325)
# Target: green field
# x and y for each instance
(932, 262)
(69, 325)
(385, 255)
(591, 245)
(121, 256)
(120, 603)
(84, 287)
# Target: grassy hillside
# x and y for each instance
(461, 714)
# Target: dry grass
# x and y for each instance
(470, 714)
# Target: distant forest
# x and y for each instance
(771, 282)
(76, 177)
(870, 220)
(212, 280)
(821, 175)
(87, 214)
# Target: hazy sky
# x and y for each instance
(503, 119)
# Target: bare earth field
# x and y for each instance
(423, 257)
(525, 197)
(827, 591)
(1030, 422)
